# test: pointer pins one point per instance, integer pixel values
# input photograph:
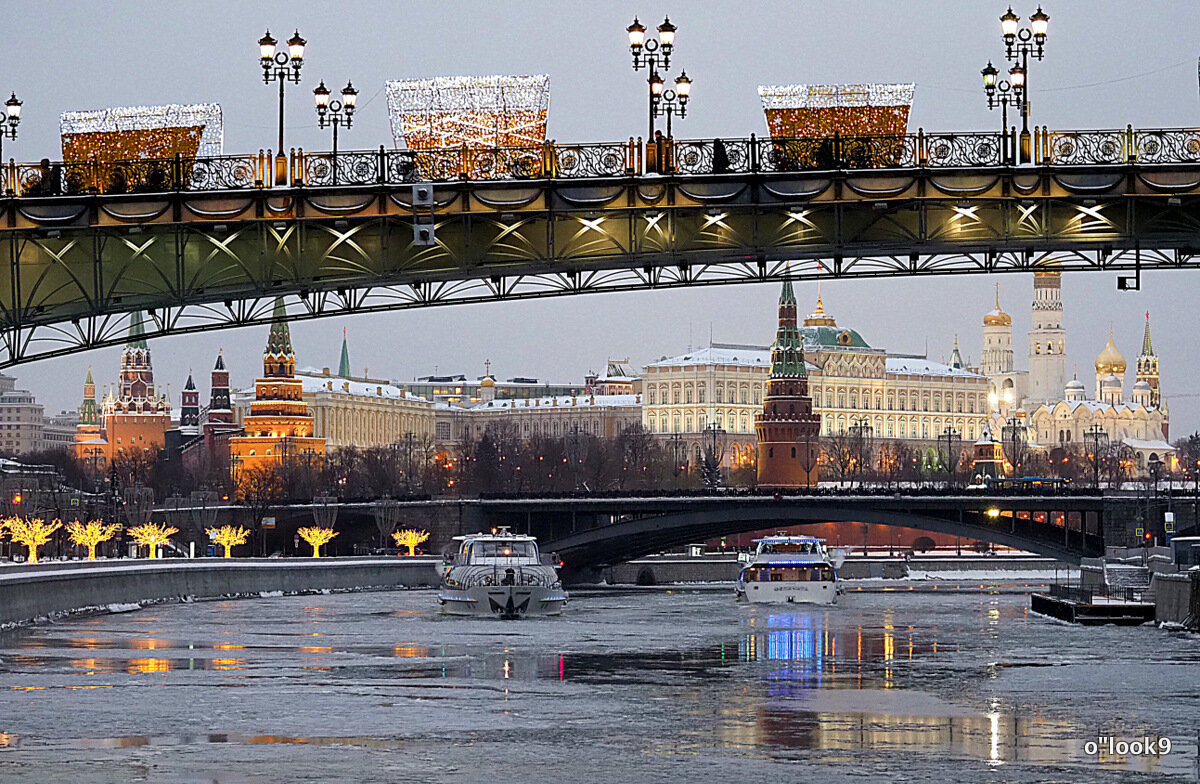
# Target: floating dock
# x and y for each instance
(1085, 606)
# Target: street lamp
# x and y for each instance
(1020, 43)
(1002, 92)
(13, 117)
(678, 453)
(335, 113)
(281, 66)
(1095, 440)
(202, 513)
(860, 434)
(650, 53)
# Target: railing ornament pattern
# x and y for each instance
(631, 158)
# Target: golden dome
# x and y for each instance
(1110, 361)
(488, 381)
(997, 317)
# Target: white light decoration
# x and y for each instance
(475, 111)
(131, 132)
(807, 110)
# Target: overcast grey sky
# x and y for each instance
(1107, 64)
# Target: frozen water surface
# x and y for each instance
(934, 684)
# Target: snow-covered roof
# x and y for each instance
(924, 367)
(314, 381)
(1096, 406)
(562, 402)
(1158, 445)
(724, 354)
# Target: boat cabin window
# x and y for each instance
(789, 547)
(502, 549)
(789, 574)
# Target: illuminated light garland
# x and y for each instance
(137, 132)
(475, 111)
(820, 110)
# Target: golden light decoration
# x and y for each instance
(476, 112)
(410, 538)
(316, 536)
(123, 133)
(228, 536)
(153, 535)
(91, 534)
(820, 110)
(33, 532)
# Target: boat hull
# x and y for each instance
(508, 602)
(823, 592)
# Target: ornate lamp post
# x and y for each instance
(1095, 440)
(283, 67)
(13, 117)
(1020, 43)
(671, 102)
(651, 53)
(335, 113)
(678, 454)
(1001, 93)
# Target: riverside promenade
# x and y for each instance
(32, 591)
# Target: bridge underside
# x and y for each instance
(79, 265)
(632, 538)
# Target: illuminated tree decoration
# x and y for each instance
(820, 110)
(153, 535)
(90, 534)
(124, 133)
(468, 113)
(410, 538)
(33, 532)
(228, 536)
(316, 537)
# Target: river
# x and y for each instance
(953, 683)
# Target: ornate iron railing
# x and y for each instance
(631, 158)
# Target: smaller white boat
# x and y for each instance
(500, 574)
(790, 569)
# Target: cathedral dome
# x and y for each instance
(1110, 382)
(997, 317)
(1075, 384)
(1110, 361)
(487, 381)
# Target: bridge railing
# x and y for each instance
(629, 158)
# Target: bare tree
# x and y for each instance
(260, 488)
(840, 453)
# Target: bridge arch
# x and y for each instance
(634, 538)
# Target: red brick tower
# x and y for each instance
(788, 430)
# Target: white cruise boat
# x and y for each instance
(500, 574)
(785, 569)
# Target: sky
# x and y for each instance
(1107, 65)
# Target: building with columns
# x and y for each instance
(901, 397)
(356, 410)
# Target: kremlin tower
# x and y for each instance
(1147, 366)
(189, 410)
(279, 424)
(136, 417)
(787, 428)
(220, 412)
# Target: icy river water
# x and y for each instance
(645, 685)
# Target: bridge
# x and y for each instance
(591, 532)
(209, 243)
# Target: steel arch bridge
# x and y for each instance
(204, 244)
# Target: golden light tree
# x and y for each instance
(316, 537)
(153, 535)
(90, 534)
(228, 536)
(33, 532)
(410, 538)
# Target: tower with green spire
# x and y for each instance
(279, 427)
(788, 429)
(1147, 366)
(344, 362)
(88, 413)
